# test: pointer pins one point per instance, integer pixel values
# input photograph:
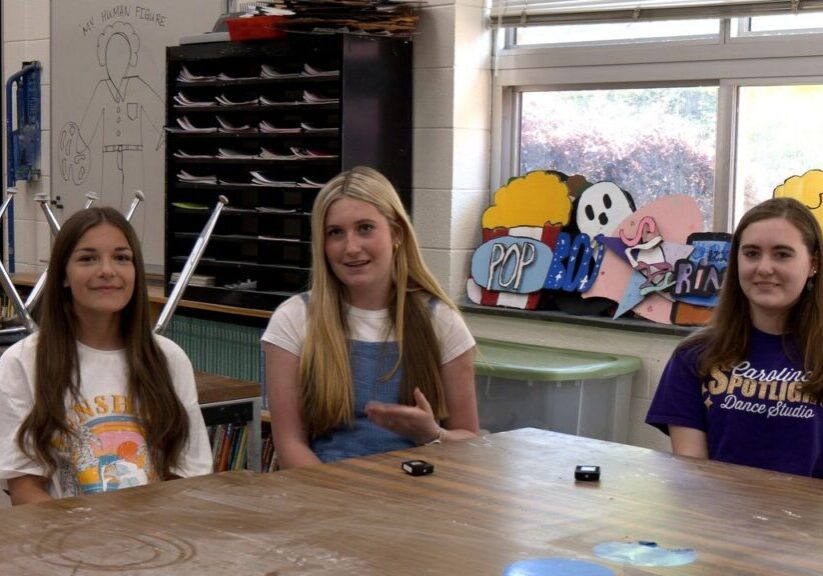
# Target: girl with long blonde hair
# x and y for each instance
(376, 356)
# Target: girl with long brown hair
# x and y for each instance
(748, 388)
(376, 357)
(93, 401)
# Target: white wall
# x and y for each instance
(452, 120)
(452, 108)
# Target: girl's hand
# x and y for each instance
(415, 422)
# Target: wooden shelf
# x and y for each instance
(214, 388)
(369, 123)
(158, 300)
(224, 400)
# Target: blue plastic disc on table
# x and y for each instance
(644, 553)
(556, 567)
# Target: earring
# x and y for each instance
(396, 247)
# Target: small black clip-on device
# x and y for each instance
(587, 473)
(417, 467)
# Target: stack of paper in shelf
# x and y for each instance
(181, 100)
(186, 75)
(184, 176)
(277, 239)
(269, 102)
(186, 126)
(310, 129)
(305, 153)
(270, 210)
(312, 71)
(268, 127)
(307, 183)
(267, 71)
(225, 76)
(270, 155)
(224, 100)
(228, 153)
(226, 126)
(185, 155)
(308, 71)
(196, 279)
(263, 179)
(315, 98)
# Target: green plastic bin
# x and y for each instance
(570, 391)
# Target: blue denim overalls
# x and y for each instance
(370, 362)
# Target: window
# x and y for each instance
(720, 116)
(649, 141)
(617, 32)
(783, 24)
(779, 130)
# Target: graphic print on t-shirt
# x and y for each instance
(107, 449)
(769, 393)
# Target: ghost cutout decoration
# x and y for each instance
(601, 208)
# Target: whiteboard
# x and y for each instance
(108, 78)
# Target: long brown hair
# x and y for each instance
(325, 373)
(726, 341)
(165, 422)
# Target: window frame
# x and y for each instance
(725, 61)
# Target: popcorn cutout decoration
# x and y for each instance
(519, 233)
(807, 189)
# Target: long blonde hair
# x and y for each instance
(327, 390)
(726, 341)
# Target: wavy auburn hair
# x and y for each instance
(725, 341)
(327, 392)
(57, 373)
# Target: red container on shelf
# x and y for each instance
(255, 28)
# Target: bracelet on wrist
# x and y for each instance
(437, 439)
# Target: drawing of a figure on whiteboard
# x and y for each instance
(121, 123)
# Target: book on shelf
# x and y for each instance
(217, 442)
(230, 444)
(238, 459)
(268, 459)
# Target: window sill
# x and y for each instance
(629, 324)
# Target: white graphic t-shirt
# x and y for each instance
(107, 449)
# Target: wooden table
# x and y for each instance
(490, 502)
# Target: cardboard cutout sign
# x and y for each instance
(553, 240)
(808, 189)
